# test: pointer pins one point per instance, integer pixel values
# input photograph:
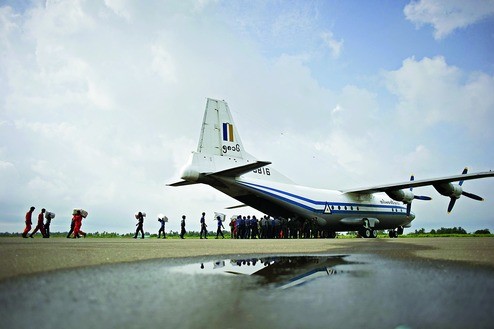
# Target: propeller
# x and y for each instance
(406, 196)
(459, 192)
(417, 197)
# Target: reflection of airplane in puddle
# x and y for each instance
(293, 271)
(221, 162)
(283, 271)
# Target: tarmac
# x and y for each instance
(192, 283)
(29, 256)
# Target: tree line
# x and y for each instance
(449, 230)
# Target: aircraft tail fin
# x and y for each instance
(220, 152)
(219, 135)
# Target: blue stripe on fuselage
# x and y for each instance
(262, 189)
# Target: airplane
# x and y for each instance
(222, 162)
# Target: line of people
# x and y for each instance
(43, 227)
(163, 219)
(242, 227)
(219, 230)
(247, 227)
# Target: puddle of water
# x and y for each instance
(313, 291)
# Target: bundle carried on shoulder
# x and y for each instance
(221, 215)
(163, 218)
(83, 212)
(49, 215)
(137, 214)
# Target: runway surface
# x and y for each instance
(120, 283)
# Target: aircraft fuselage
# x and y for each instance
(332, 209)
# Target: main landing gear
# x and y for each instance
(368, 233)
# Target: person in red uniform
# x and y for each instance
(28, 222)
(40, 226)
(77, 225)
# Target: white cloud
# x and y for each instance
(352, 132)
(99, 97)
(163, 63)
(8, 177)
(58, 19)
(431, 92)
(334, 45)
(418, 159)
(294, 20)
(119, 7)
(52, 131)
(201, 4)
(448, 15)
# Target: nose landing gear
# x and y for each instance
(395, 233)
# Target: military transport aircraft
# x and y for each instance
(222, 162)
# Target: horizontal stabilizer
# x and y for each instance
(240, 170)
(181, 183)
(238, 206)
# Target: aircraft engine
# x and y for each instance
(406, 197)
(454, 192)
(401, 195)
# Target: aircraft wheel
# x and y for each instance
(373, 234)
(331, 234)
(393, 234)
(366, 233)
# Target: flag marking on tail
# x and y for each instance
(228, 132)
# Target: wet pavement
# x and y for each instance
(268, 291)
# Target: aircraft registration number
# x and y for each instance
(262, 171)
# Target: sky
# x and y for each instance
(101, 102)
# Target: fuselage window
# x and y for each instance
(345, 207)
(339, 207)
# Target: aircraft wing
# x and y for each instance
(419, 183)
